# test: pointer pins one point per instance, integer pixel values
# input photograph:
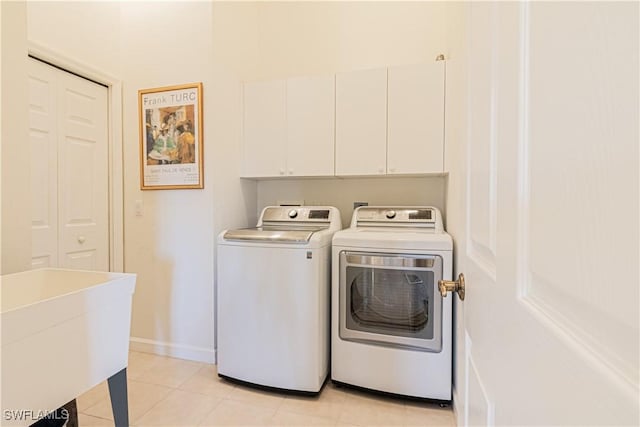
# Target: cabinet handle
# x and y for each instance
(81, 239)
(281, 171)
(290, 172)
(392, 169)
(380, 170)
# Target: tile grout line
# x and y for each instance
(132, 421)
(94, 416)
(215, 408)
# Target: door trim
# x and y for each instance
(114, 125)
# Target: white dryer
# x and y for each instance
(391, 329)
(273, 304)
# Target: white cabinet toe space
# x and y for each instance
(289, 127)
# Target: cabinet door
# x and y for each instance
(310, 126)
(361, 122)
(416, 119)
(264, 129)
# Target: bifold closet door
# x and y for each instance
(68, 118)
(43, 140)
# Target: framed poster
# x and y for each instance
(171, 137)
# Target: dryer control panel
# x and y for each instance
(397, 216)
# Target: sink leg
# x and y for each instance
(119, 401)
(72, 410)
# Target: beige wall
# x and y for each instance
(300, 38)
(16, 185)
(235, 37)
(168, 246)
(87, 32)
(341, 193)
(171, 246)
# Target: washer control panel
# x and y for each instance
(299, 214)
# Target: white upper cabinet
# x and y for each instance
(310, 126)
(416, 119)
(289, 127)
(361, 122)
(265, 129)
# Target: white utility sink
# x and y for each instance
(63, 332)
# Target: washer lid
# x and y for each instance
(274, 233)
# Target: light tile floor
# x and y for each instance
(174, 392)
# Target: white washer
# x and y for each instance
(273, 305)
(391, 329)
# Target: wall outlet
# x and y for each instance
(356, 205)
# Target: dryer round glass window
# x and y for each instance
(391, 299)
(394, 302)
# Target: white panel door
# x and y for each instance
(550, 244)
(83, 155)
(310, 126)
(361, 122)
(416, 119)
(265, 129)
(43, 140)
(69, 167)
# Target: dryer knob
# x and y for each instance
(391, 214)
(293, 213)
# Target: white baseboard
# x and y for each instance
(180, 351)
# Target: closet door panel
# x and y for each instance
(44, 164)
(84, 171)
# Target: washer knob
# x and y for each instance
(293, 213)
(391, 214)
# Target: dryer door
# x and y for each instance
(391, 299)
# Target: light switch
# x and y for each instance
(139, 207)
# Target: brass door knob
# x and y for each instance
(452, 286)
